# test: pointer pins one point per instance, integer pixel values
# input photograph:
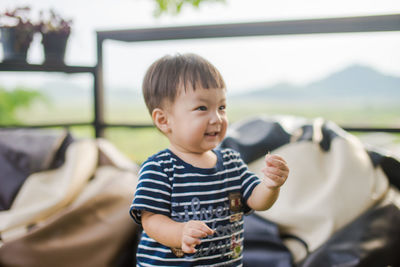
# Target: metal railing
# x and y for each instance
(377, 23)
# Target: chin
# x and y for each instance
(210, 147)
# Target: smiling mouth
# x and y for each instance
(212, 134)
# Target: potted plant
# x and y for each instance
(16, 34)
(55, 32)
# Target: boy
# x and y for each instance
(191, 197)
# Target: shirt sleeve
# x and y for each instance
(153, 192)
(248, 179)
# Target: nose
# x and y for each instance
(216, 117)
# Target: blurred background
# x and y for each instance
(352, 79)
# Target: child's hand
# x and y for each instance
(275, 172)
(191, 234)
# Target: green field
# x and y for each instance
(138, 144)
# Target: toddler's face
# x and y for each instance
(198, 120)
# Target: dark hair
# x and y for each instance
(164, 77)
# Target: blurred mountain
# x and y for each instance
(355, 82)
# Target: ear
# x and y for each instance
(160, 118)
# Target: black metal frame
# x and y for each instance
(311, 26)
(25, 67)
(376, 23)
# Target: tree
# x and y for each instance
(11, 101)
(175, 6)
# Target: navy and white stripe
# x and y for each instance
(169, 186)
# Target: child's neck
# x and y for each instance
(206, 159)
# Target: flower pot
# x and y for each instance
(15, 41)
(54, 46)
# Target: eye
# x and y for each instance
(223, 107)
(202, 108)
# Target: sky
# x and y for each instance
(246, 63)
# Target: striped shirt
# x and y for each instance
(217, 196)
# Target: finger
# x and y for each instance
(271, 183)
(206, 229)
(191, 241)
(189, 244)
(270, 161)
(275, 159)
(197, 233)
(276, 179)
(201, 226)
(276, 171)
(188, 249)
(275, 156)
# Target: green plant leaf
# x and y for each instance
(174, 7)
(12, 100)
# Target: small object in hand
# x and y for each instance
(178, 252)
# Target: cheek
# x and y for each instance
(198, 125)
(224, 125)
(226, 120)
